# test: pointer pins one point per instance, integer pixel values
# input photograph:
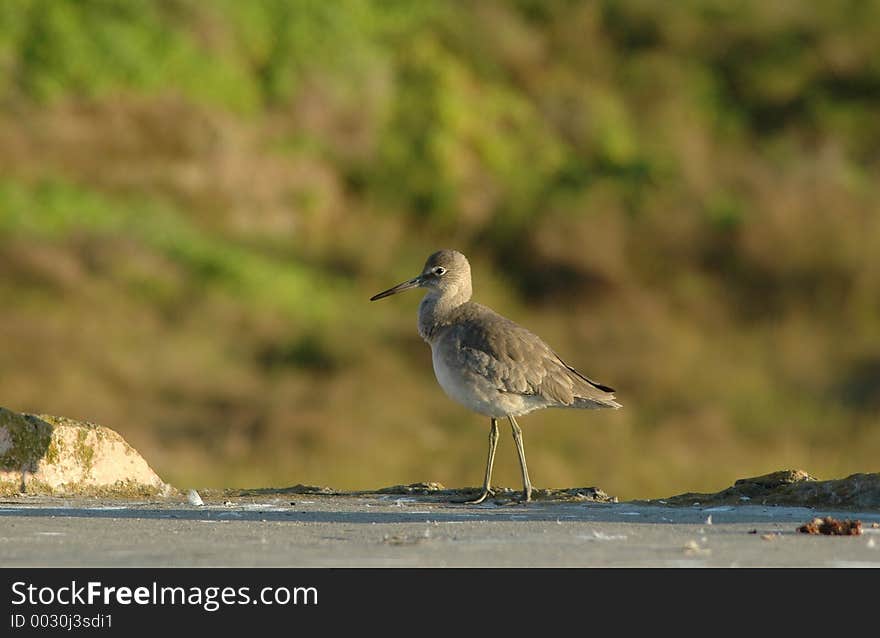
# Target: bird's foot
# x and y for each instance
(525, 498)
(486, 493)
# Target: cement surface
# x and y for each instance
(369, 530)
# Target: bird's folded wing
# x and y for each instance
(517, 361)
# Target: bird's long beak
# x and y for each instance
(406, 285)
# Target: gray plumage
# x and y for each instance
(480, 341)
(487, 362)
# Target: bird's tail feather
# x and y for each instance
(595, 403)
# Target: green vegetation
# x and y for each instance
(197, 198)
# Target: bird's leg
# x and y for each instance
(487, 487)
(517, 436)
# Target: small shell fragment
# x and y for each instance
(693, 549)
(194, 499)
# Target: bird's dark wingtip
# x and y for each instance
(598, 386)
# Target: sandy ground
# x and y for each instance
(417, 531)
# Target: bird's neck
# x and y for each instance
(436, 311)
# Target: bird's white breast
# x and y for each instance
(476, 392)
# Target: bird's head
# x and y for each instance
(446, 273)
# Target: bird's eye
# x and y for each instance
(439, 271)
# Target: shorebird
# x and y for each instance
(490, 364)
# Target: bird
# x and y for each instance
(490, 364)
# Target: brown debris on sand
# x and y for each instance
(500, 494)
(832, 527)
(412, 488)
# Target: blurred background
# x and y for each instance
(197, 199)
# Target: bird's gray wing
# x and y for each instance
(518, 361)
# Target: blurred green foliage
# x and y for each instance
(683, 196)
